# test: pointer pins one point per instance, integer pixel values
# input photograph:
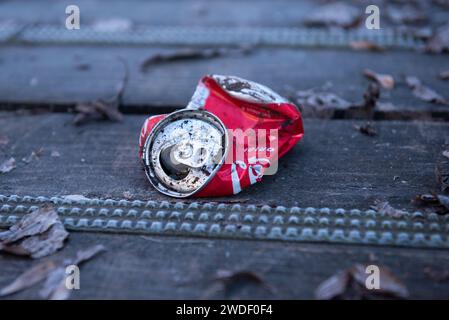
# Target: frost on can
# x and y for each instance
(232, 132)
(183, 151)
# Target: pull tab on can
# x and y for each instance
(184, 151)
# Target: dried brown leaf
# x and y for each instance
(367, 129)
(35, 155)
(364, 45)
(8, 165)
(389, 284)
(438, 203)
(354, 278)
(424, 93)
(319, 103)
(97, 110)
(29, 278)
(333, 287)
(103, 109)
(53, 273)
(338, 14)
(87, 254)
(439, 42)
(406, 14)
(232, 280)
(180, 55)
(31, 224)
(444, 201)
(442, 172)
(55, 287)
(384, 208)
(188, 54)
(385, 80)
(42, 245)
(366, 107)
(444, 75)
(37, 234)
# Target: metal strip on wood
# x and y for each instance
(213, 36)
(237, 221)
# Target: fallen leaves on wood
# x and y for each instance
(367, 129)
(439, 42)
(385, 80)
(366, 107)
(97, 110)
(363, 45)
(37, 234)
(424, 93)
(232, 281)
(338, 14)
(324, 104)
(437, 202)
(320, 103)
(333, 287)
(53, 273)
(35, 155)
(445, 153)
(352, 283)
(442, 171)
(187, 54)
(55, 285)
(407, 14)
(444, 75)
(103, 109)
(384, 208)
(8, 165)
(29, 278)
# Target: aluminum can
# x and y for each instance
(231, 134)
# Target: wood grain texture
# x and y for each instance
(193, 12)
(52, 75)
(334, 165)
(184, 268)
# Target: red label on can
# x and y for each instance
(262, 126)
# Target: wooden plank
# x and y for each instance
(184, 268)
(334, 166)
(66, 75)
(173, 12)
(192, 12)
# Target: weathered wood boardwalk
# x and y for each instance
(334, 166)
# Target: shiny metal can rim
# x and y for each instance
(158, 126)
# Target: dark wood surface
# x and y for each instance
(334, 166)
(52, 75)
(185, 268)
(289, 13)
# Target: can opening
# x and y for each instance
(173, 170)
(184, 150)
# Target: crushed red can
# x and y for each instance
(232, 132)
